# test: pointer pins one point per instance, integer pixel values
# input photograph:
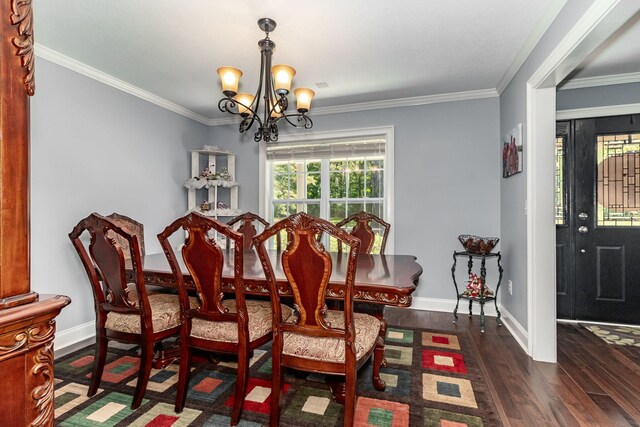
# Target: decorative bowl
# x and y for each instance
(478, 245)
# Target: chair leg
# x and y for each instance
(378, 362)
(183, 376)
(350, 398)
(242, 380)
(276, 384)
(99, 359)
(146, 359)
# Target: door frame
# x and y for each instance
(600, 21)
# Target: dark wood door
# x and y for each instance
(601, 234)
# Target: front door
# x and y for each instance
(598, 228)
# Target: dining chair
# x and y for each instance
(247, 227)
(125, 311)
(133, 227)
(363, 230)
(316, 339)
(216, 324)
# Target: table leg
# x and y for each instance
(163, 356)
(483, 278)
(497, 289)
(453, 275)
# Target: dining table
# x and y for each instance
(380, 279)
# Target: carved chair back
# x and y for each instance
(204, 259)
(133, 227)
(104, 262)
(362, 229)
(247, 227)
(308, 266)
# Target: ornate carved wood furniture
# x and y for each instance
(123, 312)
(247, 227)
(27, 324)
(215, 324)
(362, 230)
(380, 279)
(316, 339)
(132, 227)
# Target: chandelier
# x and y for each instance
(273, 88)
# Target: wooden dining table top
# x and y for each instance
(380, 279)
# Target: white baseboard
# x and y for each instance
(73, 339)
(519, 333)
(447, 305)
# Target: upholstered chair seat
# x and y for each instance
(260, 322)
(329, 349)
(165, 314)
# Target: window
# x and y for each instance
(618, 192)
(560, 202)
(330, 177)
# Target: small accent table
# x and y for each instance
(483, 273)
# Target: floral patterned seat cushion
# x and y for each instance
(165, 314)
(332, 349)
(260, 322)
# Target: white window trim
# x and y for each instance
(310, 137)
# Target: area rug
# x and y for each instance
(620, 335)
(433, 379)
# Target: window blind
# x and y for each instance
(329, 148)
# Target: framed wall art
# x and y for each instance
(512, 159)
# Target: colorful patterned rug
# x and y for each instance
(620, 335)
(432, 380)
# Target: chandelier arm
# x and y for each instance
(303, 120)
(226, 105)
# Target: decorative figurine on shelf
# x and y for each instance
(222, 205)
(207, 172)
(474, 287)
(225, 175)
(205, 206)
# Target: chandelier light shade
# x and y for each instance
(270, 104)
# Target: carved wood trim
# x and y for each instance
(42, 395)
(19, 340)
(22, 15)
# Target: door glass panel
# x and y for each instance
(560, 207)
(618, 180)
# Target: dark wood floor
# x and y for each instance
(593, 383)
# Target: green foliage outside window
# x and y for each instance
(354, 185)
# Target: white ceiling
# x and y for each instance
(366, 50)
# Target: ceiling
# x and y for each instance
(620, 54)
(364, 50)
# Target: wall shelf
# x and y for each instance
(215, 189)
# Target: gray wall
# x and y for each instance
(513, 225)
(96, 148)
(598, 96)
(447, 177)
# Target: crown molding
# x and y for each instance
(389, 103)
(93, 73)
(609, 110)
(550, 13)
(613, 79)
(408, 102)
